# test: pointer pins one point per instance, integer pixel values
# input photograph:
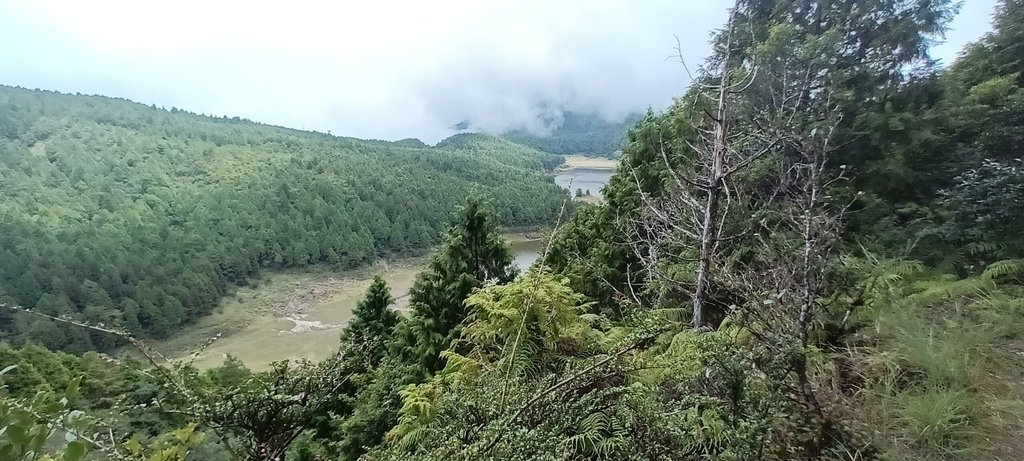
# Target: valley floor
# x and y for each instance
(287, 315)
(299, 314)
(579, 161)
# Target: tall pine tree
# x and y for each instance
(473, 254)
(372, 323)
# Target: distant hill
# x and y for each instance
(120, 213)
(485, 144)
(586, 134)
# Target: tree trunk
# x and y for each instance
(715, 182)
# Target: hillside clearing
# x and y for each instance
(288, 315)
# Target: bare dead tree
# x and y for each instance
(783, 283)
(709, 227)
(696, 206)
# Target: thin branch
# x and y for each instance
(533, 400)
(529, 302)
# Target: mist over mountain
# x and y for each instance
(811, 253)
(566, 132)
(584, 134)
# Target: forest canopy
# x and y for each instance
(813, 254)
(123, 214)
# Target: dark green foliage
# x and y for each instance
(986, 88)
(597, 261)
(122, 214)
(984, 94)
(231, 374)
(375, 410)
(986, 204)
(579, 134)
(892, 134)
(473, 254)
(105, 395)
(590, 355)
(372, 323)
(261, 416)
(365, 341)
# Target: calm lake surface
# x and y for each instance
(527, 251)
(584, 178)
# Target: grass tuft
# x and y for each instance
(936, 420)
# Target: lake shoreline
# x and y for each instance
(585, 177)
(295, 314)
(589, 163)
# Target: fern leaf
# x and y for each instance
(1004, 268)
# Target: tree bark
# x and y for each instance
(715, 183)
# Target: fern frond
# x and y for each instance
(981, 248)
(1003, 269)
(952, 263)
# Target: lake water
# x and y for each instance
(527, 251)
(584, 178)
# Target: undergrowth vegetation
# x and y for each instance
(937, 365)
(813, 254)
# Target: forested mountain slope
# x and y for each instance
(579, 133)
(813, 254)
(118, 213)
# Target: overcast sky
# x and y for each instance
(384, 69)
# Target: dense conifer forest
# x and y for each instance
(813, 254)
(119, 213)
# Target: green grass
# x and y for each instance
(935, 421)
(942, 380)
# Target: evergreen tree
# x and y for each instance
(986, 92)
(473, 254)
(363, 348)
(372, 323)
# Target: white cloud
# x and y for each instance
(384, 69)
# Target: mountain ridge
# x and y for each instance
(116, 212)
